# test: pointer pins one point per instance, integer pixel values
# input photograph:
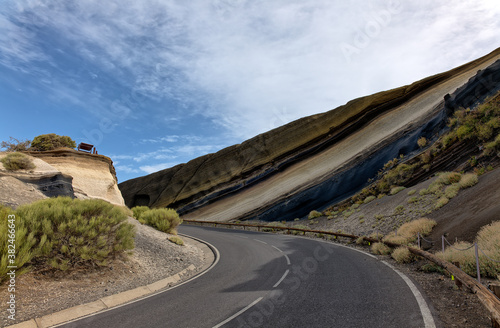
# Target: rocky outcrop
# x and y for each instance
(310, 162)
(61, 172)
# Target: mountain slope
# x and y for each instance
(313, 161)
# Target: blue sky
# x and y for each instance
(155, 83)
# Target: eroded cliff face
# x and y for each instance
(61, 172)
(310, 162)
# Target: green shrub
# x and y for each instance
(176, 240)
(381, 249)
(402, 255)
(412, 192)
(369, 199)
(314, 214)
(395, 190)
(163, 219)
(138, 211)
(17, 161)
(62, 233)
(51, 141)
(15, 145)
(468, 180)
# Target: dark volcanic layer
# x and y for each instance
(311, 162)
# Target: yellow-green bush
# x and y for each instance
(64, 233)
(468, 180)
(138, 211)
(402, 255)
(381, 249)
(176, 240)
(163, 219)
(314, 214)
(17, 161)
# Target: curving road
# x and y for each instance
(268, 280)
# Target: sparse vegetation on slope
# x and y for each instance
(488, 240)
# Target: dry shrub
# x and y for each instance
(407, 233)
(395, 190)
(452, 191)
(314, 214)
(468, 180)
(448, 178)
(369, 199)
(402, 255)
(488, 240)
(441, 202)
(381, 249)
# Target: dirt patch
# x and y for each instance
(154, 258)
(470, 210)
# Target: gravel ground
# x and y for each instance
(153, 259)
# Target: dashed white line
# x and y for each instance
(238, 313)
(287, 259)
(279, 250)
(282, 278)
(260, 241)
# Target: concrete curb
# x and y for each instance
(122, 298)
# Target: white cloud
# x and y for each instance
(247, 66)
(148, 169)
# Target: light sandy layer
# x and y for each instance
(92, 178)
(314, 169)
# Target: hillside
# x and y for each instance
(61, 172)
(318, 160)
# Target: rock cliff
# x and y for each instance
(284, 173)
(61, 172)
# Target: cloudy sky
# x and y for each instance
(155, 83)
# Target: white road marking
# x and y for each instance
(424, 308)
(287, 259)
(260, 241)
(238, 313)
(282, 278)
(279, 250)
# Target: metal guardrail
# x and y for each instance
(487, 298)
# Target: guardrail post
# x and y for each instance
(442, 242)
(418, 237)
(477, 263)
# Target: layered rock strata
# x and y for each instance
(311, 162)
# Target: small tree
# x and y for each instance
(15, 145)
(51, 141)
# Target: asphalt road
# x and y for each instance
(268, 280)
